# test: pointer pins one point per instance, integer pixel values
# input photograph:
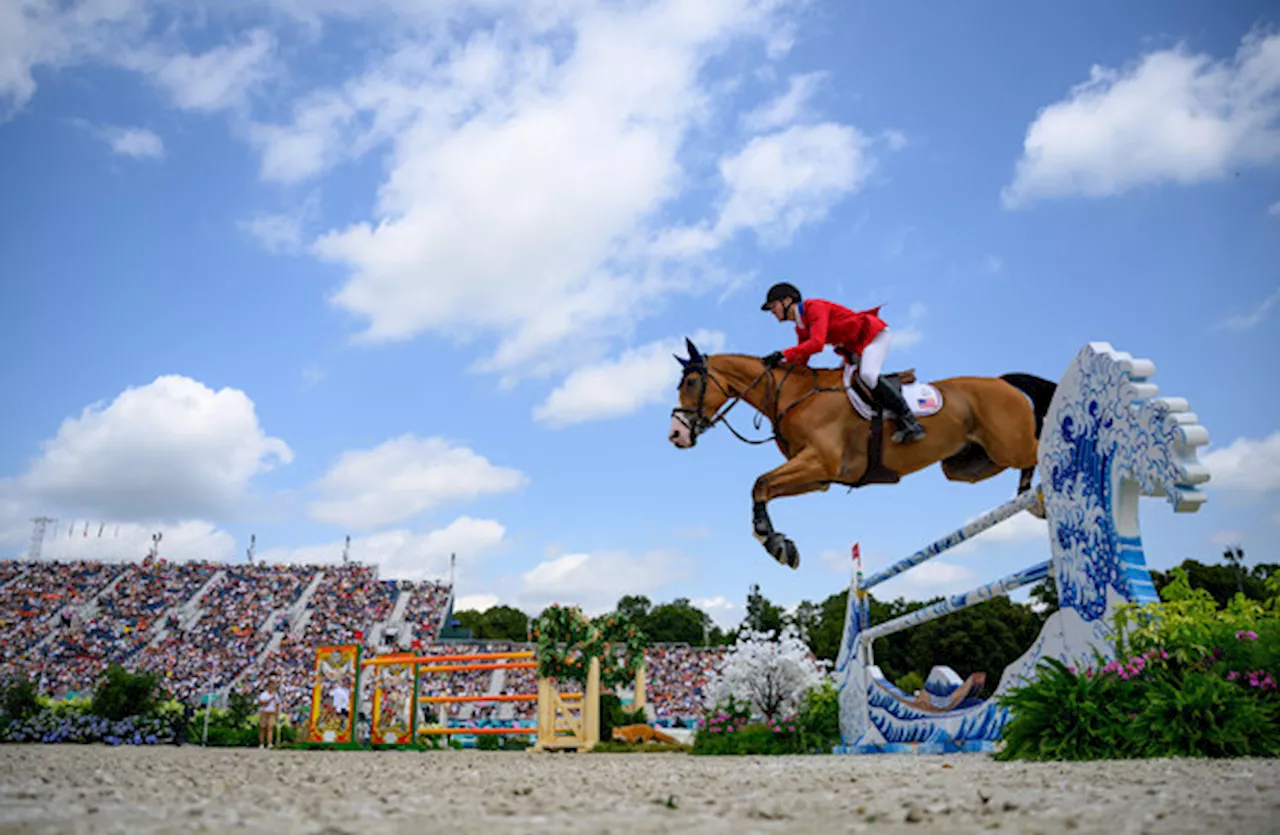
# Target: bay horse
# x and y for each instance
(985, 425)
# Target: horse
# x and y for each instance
(984, 426)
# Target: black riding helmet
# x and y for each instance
(780, 291)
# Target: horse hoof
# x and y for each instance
(783, 550)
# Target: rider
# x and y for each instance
(863, 334)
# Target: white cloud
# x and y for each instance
(217, 79)
(907, 333)
(403, 477)
(617, 387)
(784, 180)
(403, 555)
(279, 233)
(906, 336)
(1022, 527)
(171, 449)
(929, 579)
(596, 581)
(138, 143)
(283, 232)
(1174, 117)
(528, 159)
(129, 542)
(527, 171)
(46, 33)
(476, 602)
(1275, 208)
(839, 560)
(786, 108)
(125, 34)
(1225, 538)
(1245, 465)
(726, 615)
(1253, 318)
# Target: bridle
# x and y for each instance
(694, 420)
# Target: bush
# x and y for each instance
(1199, 682)
(910, 683)
(73, 723)
(819, 718)
(121, 694)
(814, 729)
(1064, 716)
(20, 699)
(613, 715)
(240, 706)
(1206, 716)
(227, 730)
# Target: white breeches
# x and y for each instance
(873, 359)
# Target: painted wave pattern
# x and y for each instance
(1108, 428)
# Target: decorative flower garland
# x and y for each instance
(567, 641)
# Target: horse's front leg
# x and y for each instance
(802, 474)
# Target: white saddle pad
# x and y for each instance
(923, 398)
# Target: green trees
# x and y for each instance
(497, 623)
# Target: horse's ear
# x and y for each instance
(684, 363)
(694, 356)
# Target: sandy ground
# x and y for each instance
(45, 788)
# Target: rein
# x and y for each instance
(699, 424)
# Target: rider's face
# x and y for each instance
(776, 310)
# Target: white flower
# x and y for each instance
(771, 676)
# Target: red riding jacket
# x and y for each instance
(822, 323)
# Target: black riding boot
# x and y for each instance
(892, 401)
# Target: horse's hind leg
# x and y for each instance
(1008, 434)
(970, 464)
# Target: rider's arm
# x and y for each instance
(818, 320)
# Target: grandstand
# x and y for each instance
(205, 628)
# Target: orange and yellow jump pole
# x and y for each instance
(521, 697)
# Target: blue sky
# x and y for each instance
(305, 269)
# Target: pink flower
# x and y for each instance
(1246, 635)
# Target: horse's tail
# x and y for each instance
(1038, 389)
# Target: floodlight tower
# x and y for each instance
(40, 525)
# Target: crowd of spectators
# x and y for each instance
(428, 603)
(349, 602)
(677, 677)
(125, 618)
(249, 628)
(207, 654)
(35, 599)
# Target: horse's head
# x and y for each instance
(701, 396)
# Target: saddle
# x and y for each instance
(876, 472)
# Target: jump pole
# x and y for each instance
(1107, 440)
